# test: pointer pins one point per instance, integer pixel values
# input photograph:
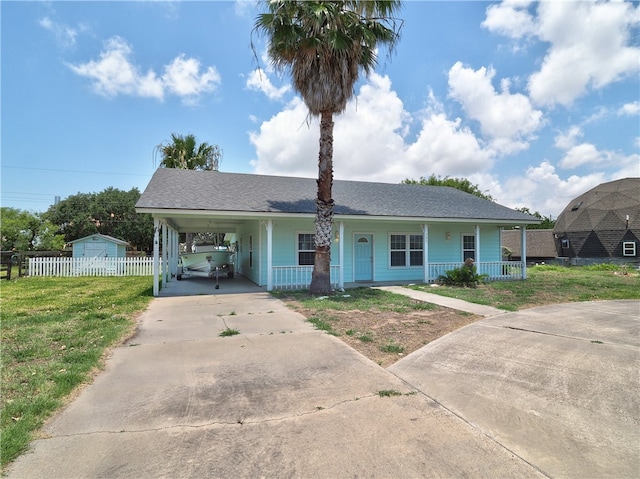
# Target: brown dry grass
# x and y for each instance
(371, 332)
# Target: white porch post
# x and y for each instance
(341, 254)
(477, 233)
(269, 255)
(165, 260)
(173, 251)
(425, 252)
(156, 254)
(523, 257)
(176, 243)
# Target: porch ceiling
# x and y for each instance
(201, 224)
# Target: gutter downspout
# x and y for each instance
(477, 258)
(425, 252)
(523, 256)
(341, 255)
(156, 255)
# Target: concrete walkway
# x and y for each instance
(543, 393)
(452, 303)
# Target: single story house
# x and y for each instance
(99, 246)
(382, 232)
(541, 245)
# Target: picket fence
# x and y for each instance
(135, 266)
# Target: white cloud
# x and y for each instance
(567, 140)
(245, 8)
(583, 154)
(183, 77)
(370, 141)
(285, 144)
(590, 44)
(259, 81)
(444, 147)
(115, 74)
(542, 189)
(65, 35)
(508, 119)
(630, 109)
(510, 18)
(590, 47)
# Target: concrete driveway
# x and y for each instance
(494, 399)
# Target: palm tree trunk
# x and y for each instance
(321, 277)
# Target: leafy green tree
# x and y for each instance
(457, 183)
(547, 222)
(25, 231)
(183, 152)
(110, 212)
(325, 45)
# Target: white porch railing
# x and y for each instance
(495, 271)
(141, 266)
(299, 277)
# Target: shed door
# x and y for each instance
(363, 257)
(95, 249)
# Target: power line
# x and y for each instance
(73, 171)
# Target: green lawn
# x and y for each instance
(550, 285)
(54, 334)
(362, 299)
(55, 330)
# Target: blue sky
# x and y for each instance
(534, 102)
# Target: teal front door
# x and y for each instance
(363, 257)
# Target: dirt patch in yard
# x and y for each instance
(387, 336)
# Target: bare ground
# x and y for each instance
(386, 336)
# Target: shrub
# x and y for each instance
(466, 275)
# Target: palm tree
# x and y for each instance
(324, 45)
(182, 153)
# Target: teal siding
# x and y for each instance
(445, 245)
(98, 246)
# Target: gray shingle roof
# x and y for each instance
(540, 243)
(603, 208)
(217, 191)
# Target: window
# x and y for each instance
(306, 249)
(405, 250)
(468, 247)
(564, 242)
(629, 248)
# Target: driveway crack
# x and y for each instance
(548, 334)
(240, 421)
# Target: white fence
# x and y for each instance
(495, 271)
(141, 266)
(299, 277)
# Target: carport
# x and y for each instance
(166, 250)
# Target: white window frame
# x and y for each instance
(464, 250)
(407, 250)
(628, 248)
(298, 250)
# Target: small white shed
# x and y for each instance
(99, 246)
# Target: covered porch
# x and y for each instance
(261, 264)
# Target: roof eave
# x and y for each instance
(165, 212)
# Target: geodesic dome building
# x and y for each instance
(603, 223)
